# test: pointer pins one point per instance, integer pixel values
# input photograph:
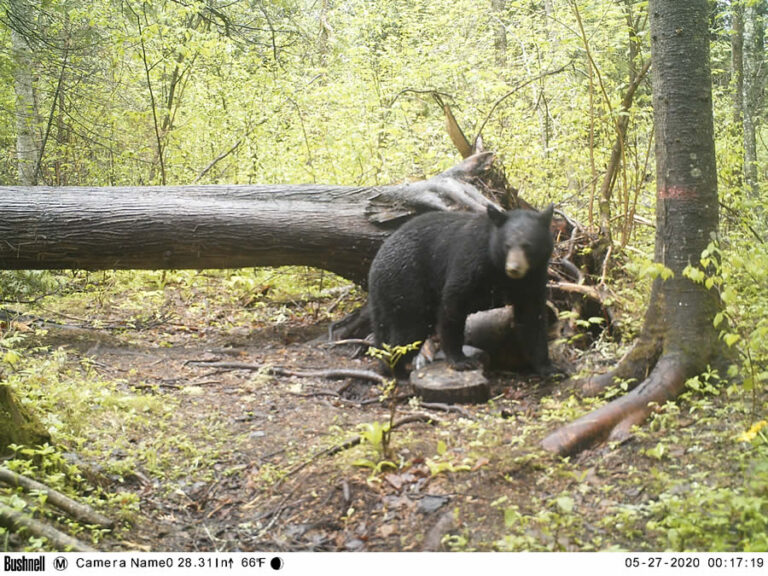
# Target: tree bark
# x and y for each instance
(498, 13)
(336, 228)
(23, 72)
(678, 326)
(17, 424)
(737, 59)
(752, 86)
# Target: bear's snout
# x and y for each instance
(516, 264)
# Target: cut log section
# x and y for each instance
(438, 382)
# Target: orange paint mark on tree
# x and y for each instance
(677, 192)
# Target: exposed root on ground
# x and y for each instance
(15, 520)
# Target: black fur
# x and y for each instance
(438, 268)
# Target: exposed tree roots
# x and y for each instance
(18, 521)
(614, 421)
(76, 510)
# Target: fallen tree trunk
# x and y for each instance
(337, 228)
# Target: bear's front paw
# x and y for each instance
(462, 364)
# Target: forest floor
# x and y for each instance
(207, 458)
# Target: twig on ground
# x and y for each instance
(347, 341)
(333, 374)
(355, 440)
(447, 408)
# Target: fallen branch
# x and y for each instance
(337, 374)
(573, 273)
(77, 510)
(583, 289)
(348, 342)
(17, 521)
(335, 395)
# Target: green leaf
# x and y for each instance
(658, 452)
(511, 518)
(731, 339)
(565, 503)
(11, 357)
(694, 274)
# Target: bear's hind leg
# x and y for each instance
(451, 331)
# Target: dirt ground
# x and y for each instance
(276, 489)
(282, 470)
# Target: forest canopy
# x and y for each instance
(131, 93)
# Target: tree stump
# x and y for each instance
(17, 425)
(438, 382)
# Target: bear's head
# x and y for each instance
(520, 240)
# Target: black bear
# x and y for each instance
(439, 267)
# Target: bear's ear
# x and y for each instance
(497, 216)
(546, 214)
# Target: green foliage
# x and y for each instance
(549, 529)
(653, 270)
(707, 382)
(49, 465)
(25, 284)
(392, 355)
(87, 417)
(183, 92)
(740, 280)
(376, 435)
(711, 518)
(379, 435)
(442, 464)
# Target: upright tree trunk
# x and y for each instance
(678, 338)
(17, 424)
(753, 80)
(23, 71)
(324, 37)
(737, 59)
(498, 13)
